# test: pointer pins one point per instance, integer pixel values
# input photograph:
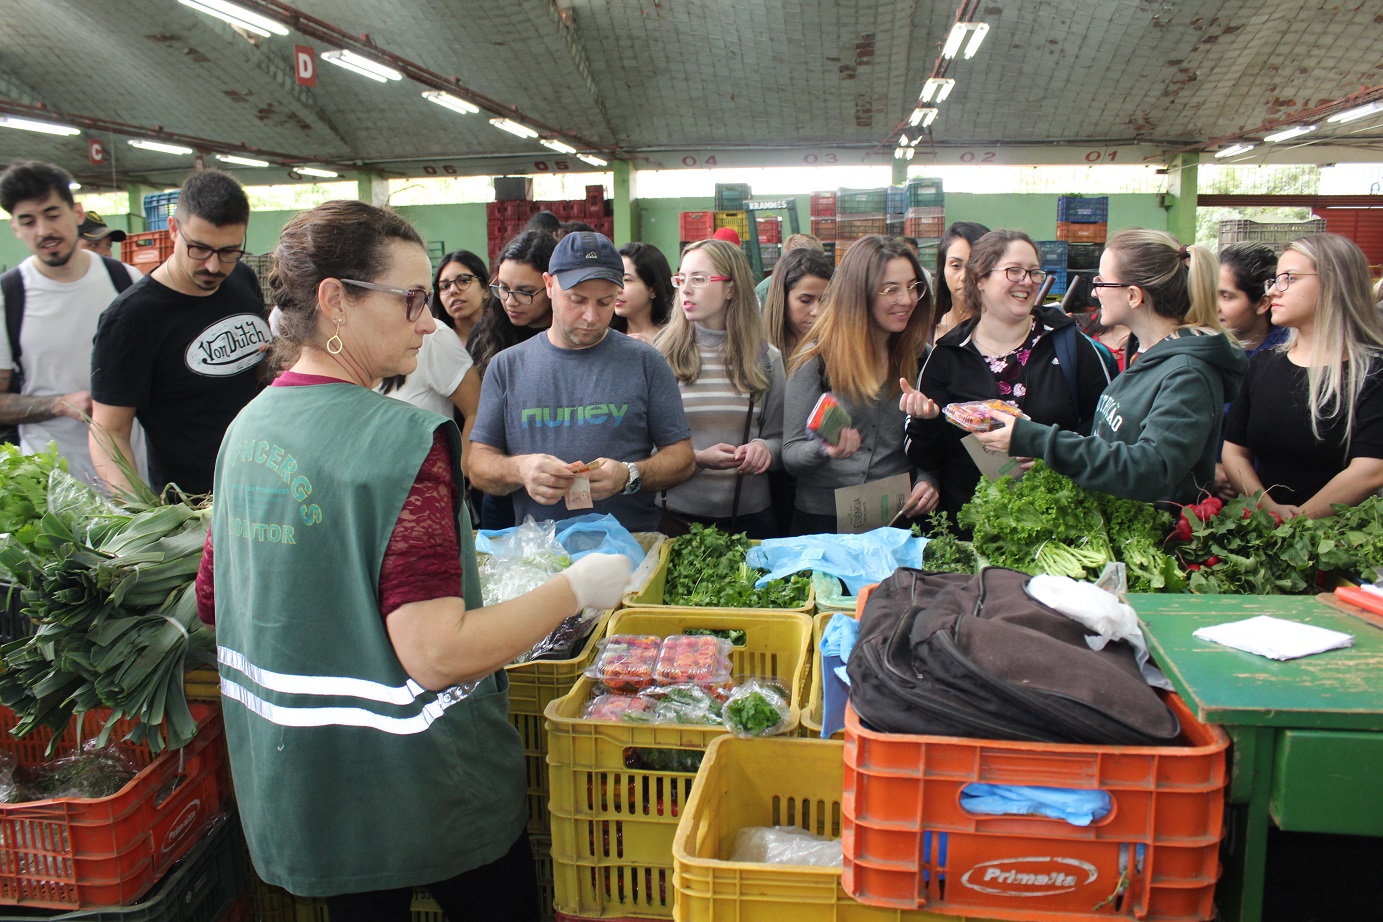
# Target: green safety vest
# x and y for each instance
(349, 775)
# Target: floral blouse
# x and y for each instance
(1008, 369)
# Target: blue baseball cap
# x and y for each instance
(583, 256)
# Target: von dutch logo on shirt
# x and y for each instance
(229, 346)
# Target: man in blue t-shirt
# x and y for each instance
(578, 394)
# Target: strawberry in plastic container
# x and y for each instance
(628, 708)
(687, 658)
(625, 662)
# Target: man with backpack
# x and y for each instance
(52, 301)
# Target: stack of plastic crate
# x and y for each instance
(925, 218)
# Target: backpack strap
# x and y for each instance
(119, 273)
(12, 288)
(1064, 339)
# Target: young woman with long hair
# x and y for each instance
(1308, 425)
(519, 306)
(1157, 426)
(1011, 350)
(732, 386)
(459, 291)
(643, 307)
(951, 256)
(864, 347)
(794, 297)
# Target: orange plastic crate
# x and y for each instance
(109, 851)
(1082, 233)
(147, 251)
(1154, 856)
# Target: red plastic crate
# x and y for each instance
(824, 229)
(1082, 233)
(595, 193)
(147, 251)
(823, 205)
(696, 225)
(109, 851)
(1154, 856)
(770, 230)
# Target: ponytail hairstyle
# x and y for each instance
(744, 336)
(796, 265)
(1348, 335)
(842, 335)
(1179, 282)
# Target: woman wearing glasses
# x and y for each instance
(1157, 426)
(365, 701)
(642, 308)
(1014, 349)
(519, 307)
(1308, 425)
(866, 342)
(732, 390)
(459, 291)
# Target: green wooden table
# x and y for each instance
(1307, 749)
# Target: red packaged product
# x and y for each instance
(700, 659)
(629, 708)
(626, 662)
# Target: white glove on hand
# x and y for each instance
(598, 580)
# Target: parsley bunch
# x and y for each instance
(707, 569)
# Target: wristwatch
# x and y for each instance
(635, 481)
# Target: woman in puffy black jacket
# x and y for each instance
(1014, 350)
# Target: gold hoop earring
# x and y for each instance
(336, 338)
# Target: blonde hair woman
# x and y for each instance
(1308, 425)
(864, 347)
(1156, 432)
(732, 390)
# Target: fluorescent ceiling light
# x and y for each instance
(314, 171)
(160, 147)
(74, 185)
(504, 124)
(592, 159)
(976, 31)
(1350, 115)
(361, 65)
(977, 34)
(922, 116)
(1234, 149)
(25, 124)
(559, 146)
(241, 161)
(1295, 131)
(237, 16)
(940, 87)
(448, 101)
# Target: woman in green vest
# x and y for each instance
(364, 696)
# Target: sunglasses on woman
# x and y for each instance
(415, 299)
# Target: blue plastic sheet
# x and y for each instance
(1075, 806)
(857, 560)
(837, 641)
(579, 536)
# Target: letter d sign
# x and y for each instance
(305, 62)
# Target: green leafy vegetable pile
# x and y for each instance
(24, 496)
(1047, 523)
(944, 552)
(111, 599)
(759, 711)
(706, 568)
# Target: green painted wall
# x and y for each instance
(656, 220)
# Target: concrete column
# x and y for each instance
(625, 217)
(900, 172)
(372, 188)
(137, 191)
(1181, 197)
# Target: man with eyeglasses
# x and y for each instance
(580, 409)
(51, 303)
(180, 350)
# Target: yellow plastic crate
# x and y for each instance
(770, 782)
(812, 711)
(533, 685)
(738, 220)
(612, 826)
(651, 595)
(202, 684)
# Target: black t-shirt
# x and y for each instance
(186, 364)
(1271, 417)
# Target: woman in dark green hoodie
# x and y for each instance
(1157, 426)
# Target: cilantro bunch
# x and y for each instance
(944, 552)
(24, 499)
(707, 569)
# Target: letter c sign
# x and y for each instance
(305, 63)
